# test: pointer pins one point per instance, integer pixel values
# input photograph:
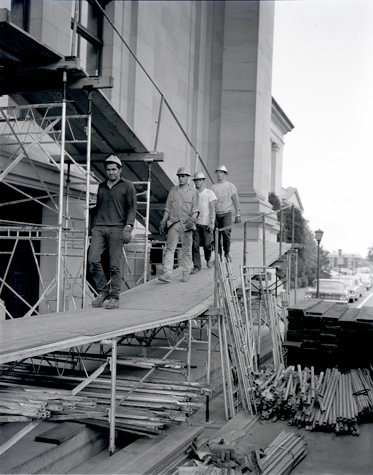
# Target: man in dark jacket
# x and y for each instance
(115, 218)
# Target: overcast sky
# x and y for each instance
(323, 80)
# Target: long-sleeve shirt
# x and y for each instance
(181, 205)
(116, 206)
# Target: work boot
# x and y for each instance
(209, 263)
(112, 304)
(100, 299)
(195, 270)
(186, 277)
(165, 277)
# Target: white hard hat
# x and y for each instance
(199, 176)
(183, 171)
(113, 159)
(222, 168)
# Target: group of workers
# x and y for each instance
(191, 216)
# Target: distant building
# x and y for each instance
(347, 263)
(290, 196)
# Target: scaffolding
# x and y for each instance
(38, 134)
(38, 130)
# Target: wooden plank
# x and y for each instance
(151, 459)
(58, 435)
(13, 440)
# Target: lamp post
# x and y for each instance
(340, 260)
(318, 236)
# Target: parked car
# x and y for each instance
(366, 279)
(354, 286)
(329, 289)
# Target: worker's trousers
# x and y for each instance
(221, 221)
(201, 237)
(106, 237)
(176, 233)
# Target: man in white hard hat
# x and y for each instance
(204, 233)
(113, 224)
(181, 212)
(227, 197)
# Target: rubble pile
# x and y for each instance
(278, 458)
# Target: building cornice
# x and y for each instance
(281, 118)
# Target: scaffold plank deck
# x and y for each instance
(147, 306)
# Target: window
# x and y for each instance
(86, 35)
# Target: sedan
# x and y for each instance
(366, 280)
(354, 286)
(329, 289)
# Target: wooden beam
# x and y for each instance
(92, 83)
(13, 440)
(123, 156)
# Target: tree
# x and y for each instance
(304, 240)
(370, 254)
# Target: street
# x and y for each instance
(366, 300)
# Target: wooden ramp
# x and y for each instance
(148, 306)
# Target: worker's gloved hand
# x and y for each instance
(126, 235)
(210, 228)
(237, 219)
(189, 223)
(162, 227)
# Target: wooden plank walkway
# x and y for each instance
(148, 306)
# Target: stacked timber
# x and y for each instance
(283, 454)
(331, 401)
(327, 334)
(144, 409)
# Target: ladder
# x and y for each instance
(235, 349)
(260, 306)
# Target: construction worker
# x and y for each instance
(227, 196)
(115, 218)
(181, 212)
(204, 232)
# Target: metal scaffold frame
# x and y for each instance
(47, 127)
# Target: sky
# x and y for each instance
(323, 81)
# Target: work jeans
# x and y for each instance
(176, 233)
(106, 237)
(201, 237)
(221, 221)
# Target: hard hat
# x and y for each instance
(183, 171)
(199, 176)
(113, 159)
(222, 168)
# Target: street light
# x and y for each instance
(318, 236)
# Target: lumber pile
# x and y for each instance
(327, 334)
(147, 410)
(330, 401)
(283, 454)
(278, 458)
(157, 456)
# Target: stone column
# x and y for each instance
(246, 106)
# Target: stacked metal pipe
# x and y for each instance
(151, 407)
(328, 401)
